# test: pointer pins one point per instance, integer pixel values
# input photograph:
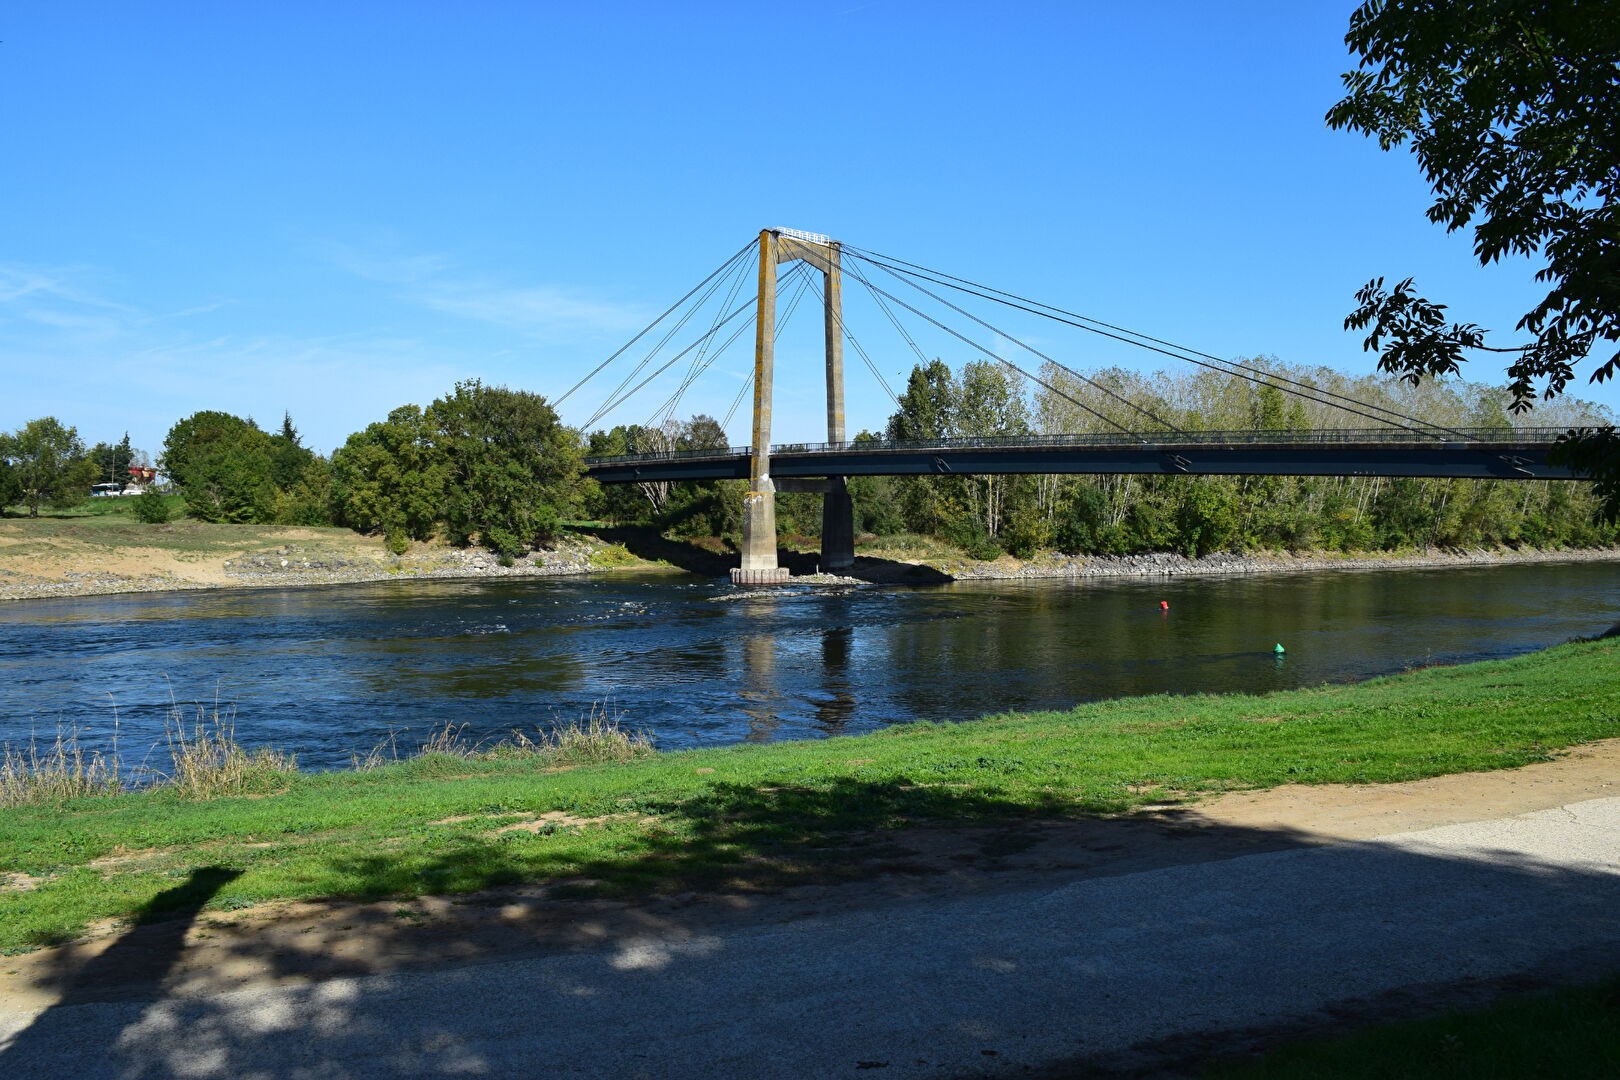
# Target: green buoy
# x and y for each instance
(1279, 650)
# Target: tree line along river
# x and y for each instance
(330, 672)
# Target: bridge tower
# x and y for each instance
(759, 567)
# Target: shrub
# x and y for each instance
(151, 507)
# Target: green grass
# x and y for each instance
(108, 526)
(1571, 1034)
(766, 815)
(107, 511)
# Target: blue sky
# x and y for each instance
(334, 209)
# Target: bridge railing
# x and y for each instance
(1313, 437)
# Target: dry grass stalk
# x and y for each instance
(207, 761)
(62, 771)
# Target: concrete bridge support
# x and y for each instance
(759, 565)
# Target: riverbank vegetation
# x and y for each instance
(761, 816)
(496, 467)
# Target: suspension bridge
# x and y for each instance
(1128, 436)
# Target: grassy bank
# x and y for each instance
(764, 815)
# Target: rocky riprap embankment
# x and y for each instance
(294, 564)
(1165, 564)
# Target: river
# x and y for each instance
(330, 672)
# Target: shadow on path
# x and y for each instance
(133, 967)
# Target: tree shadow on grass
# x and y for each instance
(729, 835)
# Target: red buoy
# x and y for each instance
(1164, 605)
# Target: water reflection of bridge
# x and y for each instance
(762, 700)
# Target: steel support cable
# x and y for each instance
(736, 401)
(648, 328)
(605, 409)
(742, 328)
(697, 365)
(1311, 393)
(843, 328)
(793, 303)
(1067, 397)
(1306, 390)
(805, 275)
(654, 351)
(883, 307)
(674, 400)
(999, 359)
(1029, 348)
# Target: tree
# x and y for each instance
(1510, 107)
(113, 461)
(10, 489)
(514, 468)
(390, 478)
(223, 467)
(49, 464)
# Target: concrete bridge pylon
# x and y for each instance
(759, 564)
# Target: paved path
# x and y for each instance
(1104, 970)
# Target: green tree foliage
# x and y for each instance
(514, 469)
(229, 470)
(222, 465)
(1199, 515)
(391, 478)
(487, 464)
(10, 488)
(48, 465)
(113, 461)
(707, 508)
(1509, 107)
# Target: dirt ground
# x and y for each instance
(306, 942)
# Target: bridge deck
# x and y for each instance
(1514, 455)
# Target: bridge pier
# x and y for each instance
(759, 565)
(837, 526)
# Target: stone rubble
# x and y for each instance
(294, 565)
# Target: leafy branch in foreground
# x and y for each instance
(1509, 109)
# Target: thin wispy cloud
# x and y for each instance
(380, 266)
(43, 287)
(536, 310)
(434, 281)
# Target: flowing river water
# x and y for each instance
(335, 671)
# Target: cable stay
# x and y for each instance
(618, 396)
(667, 410)
(1031, 349)
(698, 365)
(843, 328)
(994, 356)
(747, 306)
(742, 251)
(736, 401)
(1316, 394)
